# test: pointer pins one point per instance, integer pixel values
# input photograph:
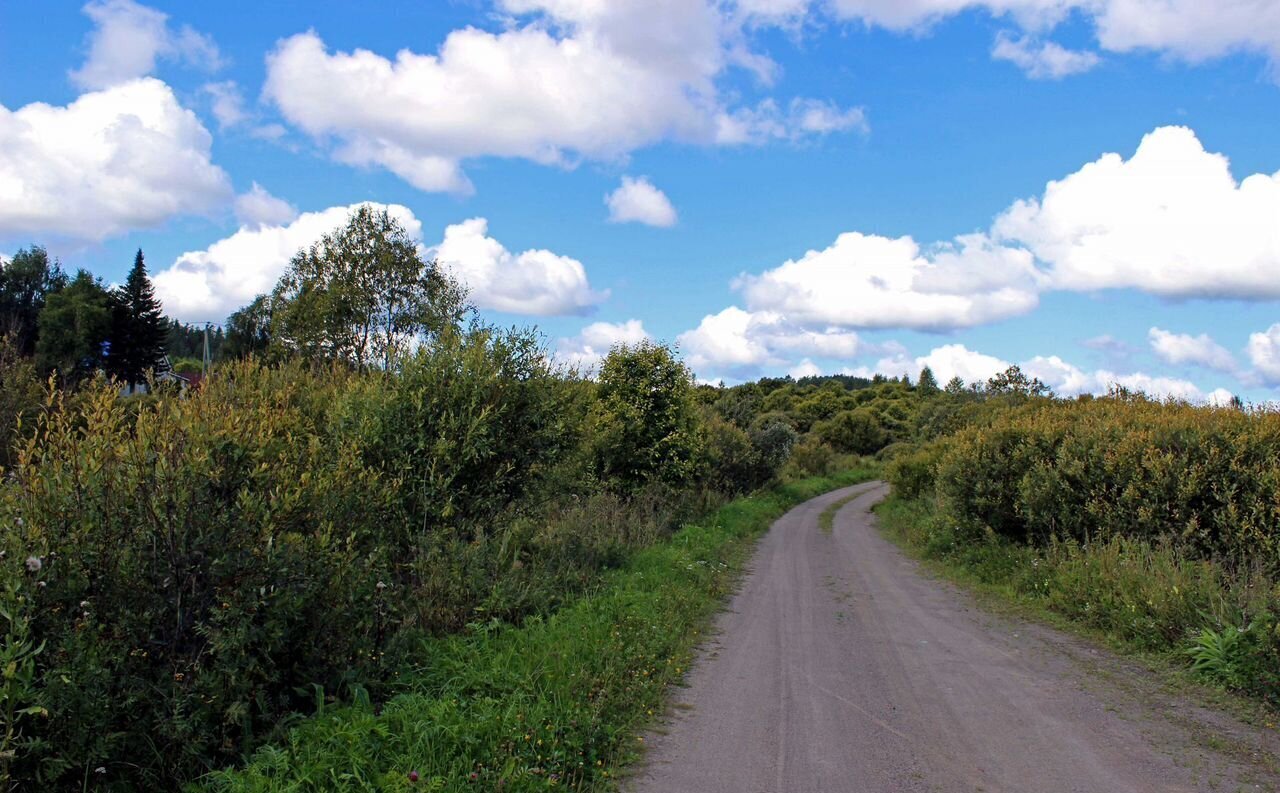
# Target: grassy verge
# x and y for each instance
(1217, 620)
(553, 703)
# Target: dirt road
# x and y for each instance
(842, 666)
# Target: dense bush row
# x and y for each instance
(1204, 479)
(1155, 523)
(182, 572)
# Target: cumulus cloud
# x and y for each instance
(1182, 348)
(1066, 379)
(1042, 60)
(209, 284)
(869, 281)
(565, 80)
(1170, 220)
(536, 282)
(129, 37)
(1264, 353)
(638, 201)
(1192, 30)
(259, 208)
(805, 368)
(1069, 380)
(585, 351)
(946, 362)
(123, 158)
(741, 343)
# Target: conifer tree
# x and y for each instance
(138, 330)
(927, 383)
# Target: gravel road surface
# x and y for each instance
(842, 666)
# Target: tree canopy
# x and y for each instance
(362, 295)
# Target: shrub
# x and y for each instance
(1206, 479)
(773, 443)
(912, 473)
(811, 457)
(853, 432)
(644, 422)
(209, 562)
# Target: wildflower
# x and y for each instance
(413, 776)
(34, 564)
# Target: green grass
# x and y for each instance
(556, 702)
(1142, 598)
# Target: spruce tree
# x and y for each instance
(139, 329)
(927, 384)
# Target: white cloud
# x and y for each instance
(585, 351)
(566, 79)
(128, 38)
(122, 158)
(638, 201)
(1192, 30)
(1064, 378)
(1264, 353)
(536, 282)
(227, 103)
(1069, 380)
(1181, 348)
(1170, 220)
(767, 122)
(738, 342)
(209, 284)
(259, 208)
(805, 368)
(946, 362)
(1042, 60)
(906, 15)
(869, 281)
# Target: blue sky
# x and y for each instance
(799, 185)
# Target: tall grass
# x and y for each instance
(552, 703)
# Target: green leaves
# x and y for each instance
(643, 423)
(361, 296)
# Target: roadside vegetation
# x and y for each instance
(378, 518)
(1152, 523)
(556, 702)
(383, 544)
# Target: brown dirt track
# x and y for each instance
(842, 666)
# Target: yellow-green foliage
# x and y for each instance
(1205, 479)
(197, 567)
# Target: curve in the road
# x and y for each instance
(841, 666)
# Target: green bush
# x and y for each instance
(853, 432)
(1205, 479)
(912, 473)
(211, 561)
(644, 421)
